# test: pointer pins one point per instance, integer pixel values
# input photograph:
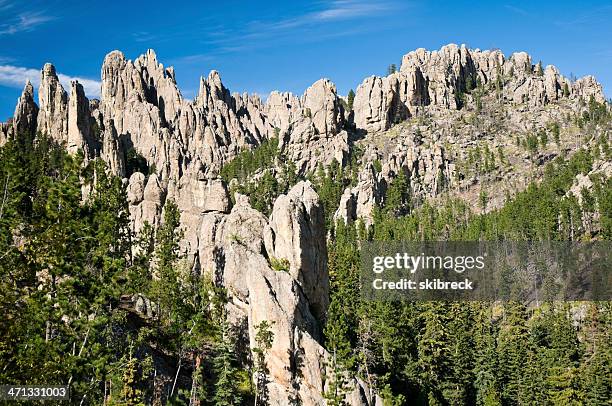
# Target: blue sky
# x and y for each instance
(260, 46)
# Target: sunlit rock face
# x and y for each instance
(439, 78)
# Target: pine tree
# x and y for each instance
(566, 91)
(434, 350)
(166, 287)
(337, 385)
(533, 382)
(458, 389)
(130, 394)
(350, 99)
(226, 389)
(263, 340)
(596, 366)
(485, 363)
(512, 345)
(397, 195)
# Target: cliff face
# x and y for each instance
(411, 122)
(438, 78)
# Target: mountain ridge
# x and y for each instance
(445, 123)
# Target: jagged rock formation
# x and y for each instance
(146, 198)
(420, 121)
(359, 201)
(26, 112)
(283, 109)
(79, 137)
(310, 128)
(53, 105)
(439, 78)
(585, 183)
(296, 233)
(240, 249)
(4, 132)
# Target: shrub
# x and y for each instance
(280, 264)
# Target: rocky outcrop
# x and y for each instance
(359, 202)
(588, 87)
(111, 151)
(26, 112)
(442, 78)
(276, 271)
(150, 116)
(5, 129)
(79, 126)
(315, 135)
(373, 104)
(146, 198)
(584, 182)
(196, 195)
(296, 233)
(53, 105)
(323, 106)
(283, 109)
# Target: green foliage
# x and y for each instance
(60, 265)
(543, 138)
(350, 99)
(262, 174)
(263, 341)
(135, 162)
(377, 165)
(556, 132)
(330, 183)
(398, 195)
(531, 143)
(480, 160)
(566, 91)
(227, 392)
(247, 162)
(483, 199)
(470, 353)
(68, 265)
(596, 113)
(280, 264)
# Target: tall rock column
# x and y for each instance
(325, 109)
(53, 104)
(79, 126)
(26, 112)
(296, 233)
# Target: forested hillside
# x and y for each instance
(71, 270)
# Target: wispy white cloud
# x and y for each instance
(334, 11)
(517, 10)
(24, 22)
(5, 5)
(16, 76)
(319, 23)
(144, 36)
(344, 9)
(599, 15)
(192, 59)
